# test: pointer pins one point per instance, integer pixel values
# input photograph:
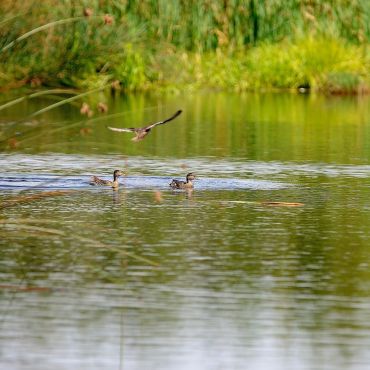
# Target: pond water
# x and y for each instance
(220, 277)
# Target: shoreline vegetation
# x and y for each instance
(141, 45)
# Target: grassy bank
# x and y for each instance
(319, 63)
(229, 44)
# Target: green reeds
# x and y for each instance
(204, 25)
(39, 29)
(307, 62)
(61, 43)
(58, 44)
(317, 63)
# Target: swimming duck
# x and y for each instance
(114, 184)
(177, 184)
(141, 132)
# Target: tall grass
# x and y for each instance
(319, 63)
(52, 43)
(61, 47)
(203, 25)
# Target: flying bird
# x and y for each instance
(141, 132)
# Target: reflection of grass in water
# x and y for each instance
(30, 136)
(282, 204)
(204, 127)
(61, 102)
(15, 141)
(13, 201)
(60, 146)
(65, 101)
(264, 203)
(25, 225)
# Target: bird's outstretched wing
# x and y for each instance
(164, 121)
(131, 129)
(141, 132)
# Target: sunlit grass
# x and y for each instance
(320, 63)
(309, 62)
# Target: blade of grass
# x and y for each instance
(68, 100)
(42, 28)
(35, 95)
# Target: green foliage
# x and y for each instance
(58, 46)
(130, 69)
(342, 82)
(203, 25)
(320, 63)
(305, 62)
(232, 44)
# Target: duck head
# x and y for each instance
(190, 176)
(117, 173)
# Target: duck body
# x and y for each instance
(188, 184)
(114, 184)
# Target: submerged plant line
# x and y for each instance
(173, 45)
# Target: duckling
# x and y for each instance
(114, 184)
(177, 184)
(142, 132)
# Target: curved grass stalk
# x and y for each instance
(41, 28)
(65, 101)
(35, 95)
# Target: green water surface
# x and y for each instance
(150, 278)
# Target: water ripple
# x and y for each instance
(204, 166)
(23, 182)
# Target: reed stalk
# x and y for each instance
(65, 101)
(39, 29)
(35, 95)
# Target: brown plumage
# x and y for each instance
(114, 184)
(188, 184)
(142, 132)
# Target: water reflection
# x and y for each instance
(150, 278)
(258, 127)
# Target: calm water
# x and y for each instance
(150, 278)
